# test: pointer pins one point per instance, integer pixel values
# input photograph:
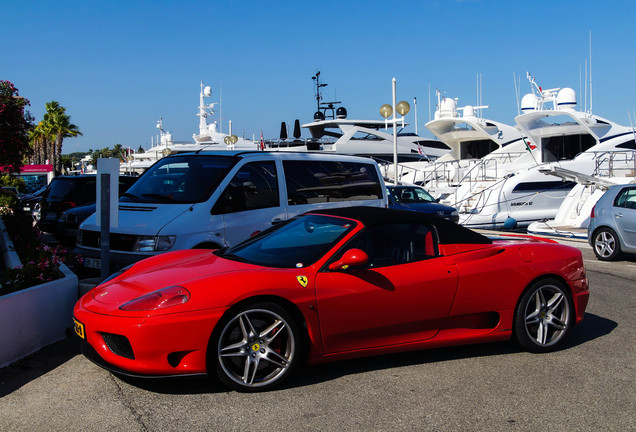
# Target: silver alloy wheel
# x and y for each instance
(547, 315)
(256, 348)
(604, 244)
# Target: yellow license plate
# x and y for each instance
(79, 328)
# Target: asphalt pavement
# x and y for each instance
(589, 385)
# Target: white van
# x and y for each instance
(216, 199)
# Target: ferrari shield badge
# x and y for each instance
(302, 280)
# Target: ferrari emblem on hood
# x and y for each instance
(302, 280)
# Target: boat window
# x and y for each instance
(254, 186)
(310, 182)
(628, 145)
(477, 149)
(565, 147)
(542, 186)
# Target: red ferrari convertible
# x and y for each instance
(329, 285)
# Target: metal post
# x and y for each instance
(395, 157)
(105, 226)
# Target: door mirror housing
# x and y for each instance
(351, 258)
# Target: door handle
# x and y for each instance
(619, 215)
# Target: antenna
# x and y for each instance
(415, 105)
(514, 79)
(324, 106)
(590, 71)
(429, 101)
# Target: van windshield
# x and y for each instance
(180, 179)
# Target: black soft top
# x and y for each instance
(447, 231)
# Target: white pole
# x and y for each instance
(590, 71)
(415, 104)
(395, 157)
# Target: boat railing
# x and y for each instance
(615, 163)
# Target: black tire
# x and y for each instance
(256, 347)
(606, 245)
(544, 316)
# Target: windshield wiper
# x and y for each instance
(159, 197)
(234, 257)
(129, 195)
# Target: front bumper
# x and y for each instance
(162, 345)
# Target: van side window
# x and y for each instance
(254, 186)
(310, 182)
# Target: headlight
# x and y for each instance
(163, 298)
(153, 243)
(454, 213)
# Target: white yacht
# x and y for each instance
(565, 139)
(480, 148)
(208, 138)
(332, 131)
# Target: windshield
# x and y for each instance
(180, 179)
(410, 195)
(296, 244)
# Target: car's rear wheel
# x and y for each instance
(606, 245)
(257, 347)
(543, 316)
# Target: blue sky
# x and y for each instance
(118, 66)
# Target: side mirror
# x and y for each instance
(352, 257)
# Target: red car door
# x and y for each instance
(385, 303)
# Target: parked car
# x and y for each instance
(70, 220)
(217, 199)
(328, 285)
(418, 199)
(29, 204)
(66, 192)
(612, 227)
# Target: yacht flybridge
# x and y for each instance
(528, 191)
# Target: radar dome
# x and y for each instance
(529, 102)
(341, 113)
(318, 116)
(566, 99)
(469, 111)
(448, 107)
(207, 91)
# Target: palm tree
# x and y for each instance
(118, 152)
(39, 143)
(58, 126)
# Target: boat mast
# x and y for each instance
(323, 106)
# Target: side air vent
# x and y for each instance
(136, 208)
(119, 345)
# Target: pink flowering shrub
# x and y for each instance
(40, 262)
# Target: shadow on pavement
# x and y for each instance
(37, 364)
(15, 376)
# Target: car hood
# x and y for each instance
(142, 219)
(174, 268)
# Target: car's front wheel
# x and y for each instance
(606, 245)
(543, 316)
(257, 347)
